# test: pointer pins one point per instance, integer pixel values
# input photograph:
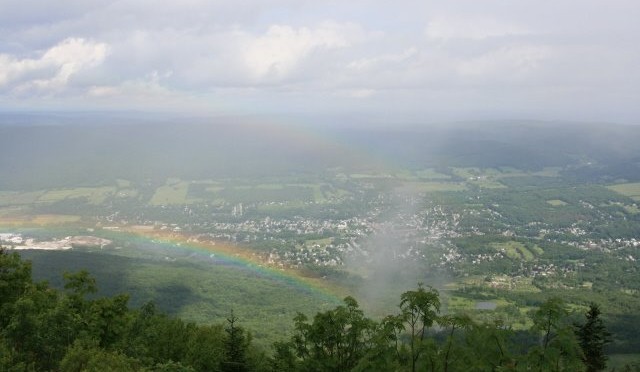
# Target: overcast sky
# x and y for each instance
(562, 59)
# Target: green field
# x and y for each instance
(467, 173)
(39, 220)
(123, 184)
(632, 209)
(19, 198)
(430, 187)
(557, 202)
(127, 193)
(631, 190)
(514, 250)
(320, 242)
(173, 192)
(431, 174)
(94, 195)
(486, 183)
(487, 178)
(359, 176)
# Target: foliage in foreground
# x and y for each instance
(43, 329)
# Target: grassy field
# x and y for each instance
(631, 209)
(321, 192)
(266, 193)
(548, 172)
(545, 172)
(467, 173)
(8, 198)
(486, 183)
(10, 211)
(506, 309)
(428, 187)
(235, 191)
(537, 250)
(484, 178)
(557, 202)
(94, 195)
(492, 176)
(127, 193)
(172, 193)
(631, 190)
(514, 250)
(431, 174)
(456, 304)
(495, 174)
(54, 219)
(214, 189)
(490, 310)
(320, 242)
(123, 184)
(39, 220)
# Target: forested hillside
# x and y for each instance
(45, 329)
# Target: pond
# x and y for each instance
(486, 305)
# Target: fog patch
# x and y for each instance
(394, 258)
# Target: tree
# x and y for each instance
(454, 322)
(283, 358)
(89, 357)
(559, 349)
(108, 319)
(419, 309)
(336, 339)
(206, 348)
(15, 280)
(593, 336)
(487, 348)
(387, 352)
(235, 347)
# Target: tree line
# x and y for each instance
(44, 329)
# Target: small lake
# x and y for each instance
(486, 305)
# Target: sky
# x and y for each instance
(576, 60)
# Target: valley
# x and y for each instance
(495, 241)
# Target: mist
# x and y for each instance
(402, 251)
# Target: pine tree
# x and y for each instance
(593, 337)
(235, 347)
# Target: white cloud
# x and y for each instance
(416, 67)
(392, 60)
(53, 69)
(510, 63)
(281, 49)
(263, 54)
(150, 85)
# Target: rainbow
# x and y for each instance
(223, 253)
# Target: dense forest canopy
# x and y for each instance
(72, 330)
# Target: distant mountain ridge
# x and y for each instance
(72, 152)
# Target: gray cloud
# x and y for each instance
(565, 60)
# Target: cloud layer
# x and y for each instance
(566, 60)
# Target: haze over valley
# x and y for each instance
(501, 213)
